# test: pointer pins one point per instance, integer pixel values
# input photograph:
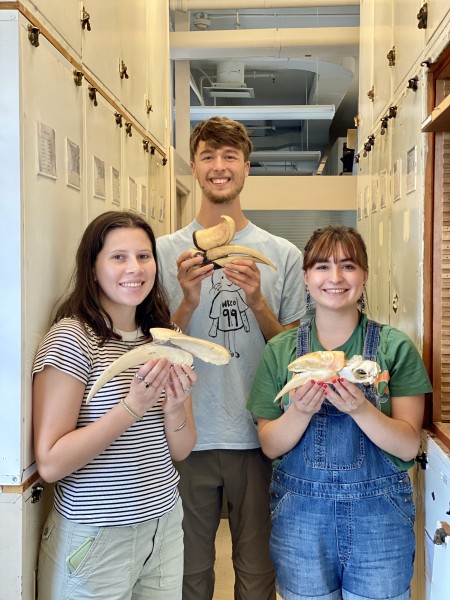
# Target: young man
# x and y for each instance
(241, 307)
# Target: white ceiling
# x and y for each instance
(301, 55)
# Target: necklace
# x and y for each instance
(130, 337)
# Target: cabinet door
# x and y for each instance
(158, 71)
(407, 214)
(101, 46)
(133, 53)
(103, 162)
(366, 80)
(62, 18)
(437, 10)
(135, 174)
(52, 208)
(380, 237)
(383, 73)
(10, 247)
(408, 39)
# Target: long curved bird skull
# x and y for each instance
(327, 365)
(178, 348)
(213, 244)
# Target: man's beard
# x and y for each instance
(221, 198)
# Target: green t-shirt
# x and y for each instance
(396, 354)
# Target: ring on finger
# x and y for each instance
(302, 402)
(138, 376)
(187, 389)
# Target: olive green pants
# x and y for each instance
(244, 476)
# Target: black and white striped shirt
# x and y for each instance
(134, 479)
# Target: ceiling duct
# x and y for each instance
(269, 43)
(230, 82)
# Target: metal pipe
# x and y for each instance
(187, 5)
(281, 156)
(263, 113)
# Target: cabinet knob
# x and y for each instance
(77, 77)
(33, 35)
(441, 533)
(123, 70)
(391, 57)
(85, 19)
(422, 17)
(413, 83)
(93, 94)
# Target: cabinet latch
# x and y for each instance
(422, 460)
(33, 35)
(391, 57)
(36, 492)
(422, 17)
(441, 533)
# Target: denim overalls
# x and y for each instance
(342, 511)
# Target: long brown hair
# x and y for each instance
(327, 241)
(83, 301)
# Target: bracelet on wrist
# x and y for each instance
(129, 411)
(179, 428)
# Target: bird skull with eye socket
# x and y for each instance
(213, 244)
(329, 365)
(178, 348)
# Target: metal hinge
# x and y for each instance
(422, 460)
(36, 492)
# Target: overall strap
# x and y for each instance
(371, 340)
(303, 342)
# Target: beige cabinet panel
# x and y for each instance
(380, 226)
(11, 465)
(133, 54)
(437, 10)
(103, 162)
(101, 46)
(63, 19)
(159, 208)
(407, 214)
(366, 79)
(135, 174)
(52, 209)
(409, 40)
(158, 71)
(383, 73)
(21, 522)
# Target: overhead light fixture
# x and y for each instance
(296, 112)
(230, 92)
(282, 156)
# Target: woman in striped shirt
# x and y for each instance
(115, 528)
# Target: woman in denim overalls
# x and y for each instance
(342, 505)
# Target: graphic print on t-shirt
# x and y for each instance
(228, 311)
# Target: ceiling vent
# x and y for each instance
(230, 82)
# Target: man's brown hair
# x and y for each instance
(218, 132)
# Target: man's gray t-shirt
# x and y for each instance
(223, 317)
